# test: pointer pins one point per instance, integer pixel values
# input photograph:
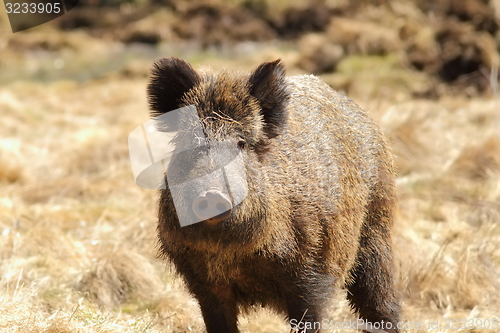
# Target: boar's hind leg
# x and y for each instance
(372, 292)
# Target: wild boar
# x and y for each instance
(318, 197)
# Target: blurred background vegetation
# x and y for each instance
(420, 48)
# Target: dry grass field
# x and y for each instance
(78, 249)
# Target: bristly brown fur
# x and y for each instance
(318, 212)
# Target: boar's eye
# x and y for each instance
(241, 144)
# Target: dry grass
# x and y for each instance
(77, 236)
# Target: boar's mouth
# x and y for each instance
(216, 219)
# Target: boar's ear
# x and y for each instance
(267, 84)
(171, 78)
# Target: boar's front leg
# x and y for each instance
(303, 317)
(306, 301)
(218, 307)
(217, 301)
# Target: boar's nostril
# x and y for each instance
(203, 204)
(212, 206)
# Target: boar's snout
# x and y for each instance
(212, 206)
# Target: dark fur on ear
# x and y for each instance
(171, 78)
(267, 84)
